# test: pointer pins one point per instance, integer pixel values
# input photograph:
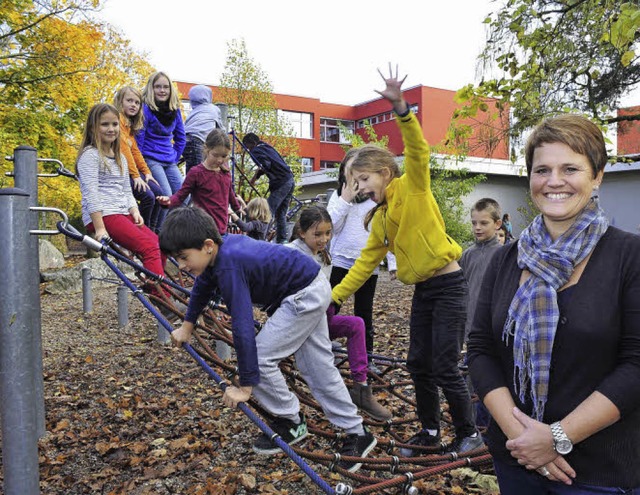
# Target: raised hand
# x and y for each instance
(393, 91)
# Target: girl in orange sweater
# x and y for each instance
(144, 187)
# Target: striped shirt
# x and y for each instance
(103, 186)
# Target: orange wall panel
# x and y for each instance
(435, 109)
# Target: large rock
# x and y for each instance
(70, 280)
(50, 256)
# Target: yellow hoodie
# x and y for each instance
(410, 222)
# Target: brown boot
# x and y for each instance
(363, 398)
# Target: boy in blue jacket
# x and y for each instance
(295, 294)
(281, 180)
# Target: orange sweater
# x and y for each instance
(129, 148)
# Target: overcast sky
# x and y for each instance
(328, 50)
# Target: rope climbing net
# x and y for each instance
(383, 471)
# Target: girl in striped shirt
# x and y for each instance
(108, 206)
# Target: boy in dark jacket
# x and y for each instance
(281, 182)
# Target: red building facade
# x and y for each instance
(319, 137)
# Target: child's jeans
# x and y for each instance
(438, 316)
(362, 301)
(139, 240)
(193, 152)
(146, 199)
(279, 200)
(170, 179)
(351, 327)
(299, 327)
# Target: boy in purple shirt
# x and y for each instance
(295, 294)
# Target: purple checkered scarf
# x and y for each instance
(533, 313)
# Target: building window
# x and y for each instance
(307, 165)
(333, 130)
(301, 123)
(327, 165)
(382, 117)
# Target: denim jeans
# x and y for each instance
(279, 199)
(362, 302)
(147, 202)
(170, 179)
(193, 152)
(516, 480)
(438, 316)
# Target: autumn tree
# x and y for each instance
(56, 61)
(544, 57)
(246, 88)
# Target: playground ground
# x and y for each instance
(126, 415)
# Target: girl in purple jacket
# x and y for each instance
(162, 138)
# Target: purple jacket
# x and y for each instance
(159, 142)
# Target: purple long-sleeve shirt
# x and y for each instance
(247, 272)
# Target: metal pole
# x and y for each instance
(163, 335)
(224, 114)
(18, 394)
(25, 168)
(123, 306)
(87, 296)
(223, 350)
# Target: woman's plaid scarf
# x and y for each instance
(533, 314)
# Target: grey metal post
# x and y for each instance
(163, 335)
(223, 350)
(25, 169)
(123, 306)
(224, 113)
(87, 295)
(18, 394)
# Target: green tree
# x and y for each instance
(246, 88)
(544, 57)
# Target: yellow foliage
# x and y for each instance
(56, 62)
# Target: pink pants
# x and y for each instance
(351, 327)
(141, 241)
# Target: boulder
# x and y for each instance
(50, 256)
(70, 280)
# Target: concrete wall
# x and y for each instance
(619, 197)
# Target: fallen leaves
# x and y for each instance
(128, 416)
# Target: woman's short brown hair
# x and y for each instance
(577, 132)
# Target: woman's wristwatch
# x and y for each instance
(561, 442)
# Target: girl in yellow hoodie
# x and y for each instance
(407, 221)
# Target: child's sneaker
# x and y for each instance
(420, 439)
(356, 446)
(286, 429)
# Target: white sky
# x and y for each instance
(328, 50)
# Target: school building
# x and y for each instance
(317, 128)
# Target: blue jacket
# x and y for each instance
(269, 160)
(247, 272)
(158, 142)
